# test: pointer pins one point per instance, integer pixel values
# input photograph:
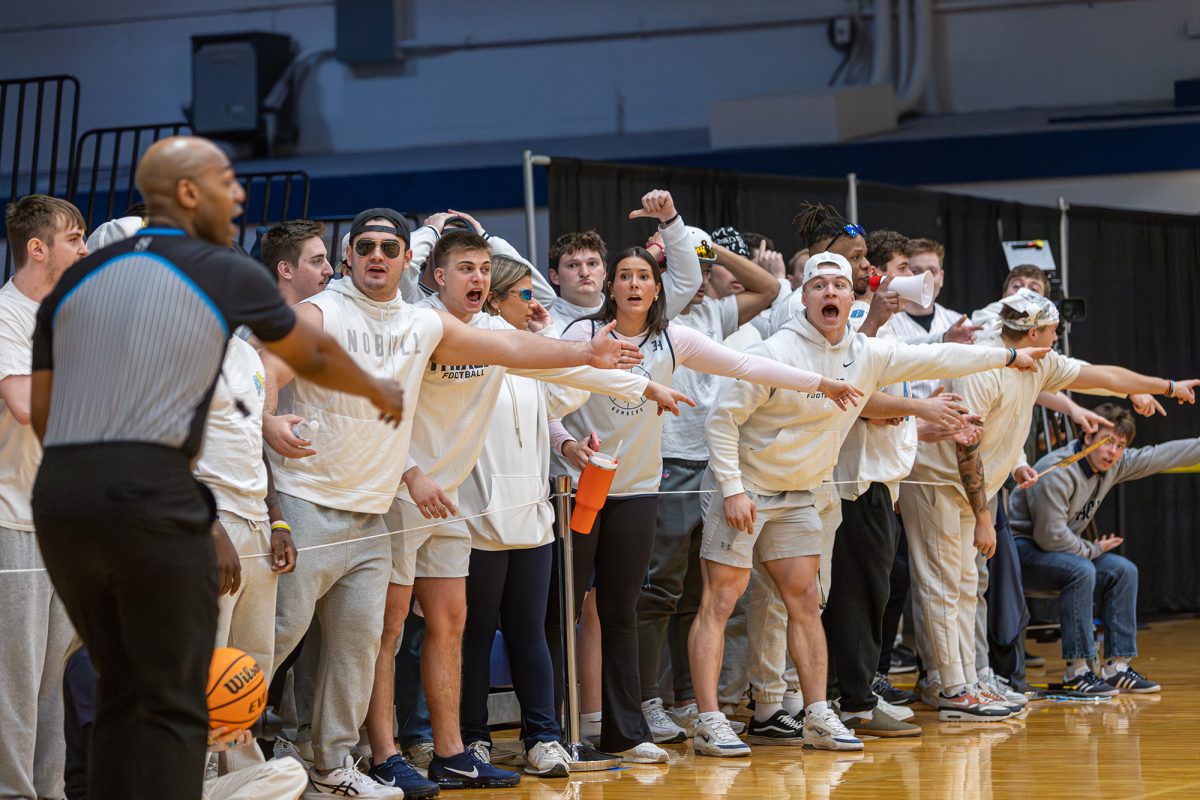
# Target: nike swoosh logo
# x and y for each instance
(848, 363)
(388, 782)
(474, 773)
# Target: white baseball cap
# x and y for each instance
(827, 263)
(113, 231)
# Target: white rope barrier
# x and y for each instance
(438, 522)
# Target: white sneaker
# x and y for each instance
(1003, 688)
(825, 731)
(481, 750)
(686, 717)
(901, 713)
(287, 749)
(644, 753)
(662, 727)
(716, 738)
(548, 760)
(347, 781)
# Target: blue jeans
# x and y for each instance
(1078, 581)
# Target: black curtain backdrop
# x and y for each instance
(1139, 272)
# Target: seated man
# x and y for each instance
(1048, 520)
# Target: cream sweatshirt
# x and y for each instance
(771, 441)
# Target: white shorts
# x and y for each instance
(786, 525)
(431, 548)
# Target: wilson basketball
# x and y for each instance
(237, 690)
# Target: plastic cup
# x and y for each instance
(594, 483)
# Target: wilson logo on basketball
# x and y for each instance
(237, 682)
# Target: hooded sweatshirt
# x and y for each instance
(359, 460)
(455, 409)
(770, 441)
(874, 453)
(514, 467)
(1056, 510)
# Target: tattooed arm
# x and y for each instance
(970, 472)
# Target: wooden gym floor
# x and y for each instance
(1133, 746)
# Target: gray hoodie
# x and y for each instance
(1055, 510)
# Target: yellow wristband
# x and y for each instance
(281, 525)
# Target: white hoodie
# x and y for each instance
(360, 460)
(514, 467)
(770, 441)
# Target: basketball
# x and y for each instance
(237, 690)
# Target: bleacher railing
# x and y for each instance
(105, 161)
(39, 117)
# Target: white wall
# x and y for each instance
(134, 61)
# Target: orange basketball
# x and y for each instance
(237, 690)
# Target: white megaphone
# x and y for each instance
(917, 288)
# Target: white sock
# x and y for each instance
(1075, 666)
(793, 704)
(954, 689)
(590, 716)
(711, 716)
(764, 711)
(1115, 665)
(819, 707)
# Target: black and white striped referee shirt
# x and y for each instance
(135, 334)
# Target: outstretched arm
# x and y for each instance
(1126, 381)
(970, 471)
(462, 344)
(700, 353)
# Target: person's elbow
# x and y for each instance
(21, 413)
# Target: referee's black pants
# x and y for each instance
(125, 531)
(860, 584)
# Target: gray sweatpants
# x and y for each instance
(346, 586)
(34, 636)
(246, 619)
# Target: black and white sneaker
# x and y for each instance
(1089, 684)
(781, 729)
(1130, 680)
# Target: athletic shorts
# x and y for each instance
(787, 525)
(430, 548)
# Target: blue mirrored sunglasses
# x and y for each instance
(524, 294)
(849, 229)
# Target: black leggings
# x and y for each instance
(614, 558)
(125, 531)
(509, 587)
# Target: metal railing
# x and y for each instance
(105, 164)
(273, 197)
(39, 117)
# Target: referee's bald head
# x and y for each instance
(187, 181)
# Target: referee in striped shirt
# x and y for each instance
(126, 353)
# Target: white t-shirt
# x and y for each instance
(231, 458)
(20, 451)
(683, 436)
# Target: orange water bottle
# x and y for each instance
(594, 483)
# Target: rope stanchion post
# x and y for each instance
(584, 758)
